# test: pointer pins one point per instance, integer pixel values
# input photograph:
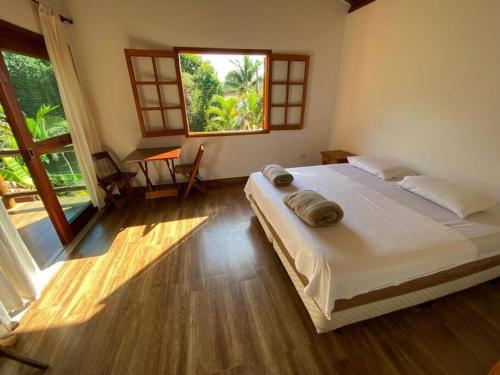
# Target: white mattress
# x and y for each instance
(482, 229)
(388, 236)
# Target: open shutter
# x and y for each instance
(287, 96)
(157, 88)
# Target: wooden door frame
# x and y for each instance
(25, 143)
(19, 40)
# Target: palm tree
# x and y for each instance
(245, 75)
(222, 114)
(250, 111)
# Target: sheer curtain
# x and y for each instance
(81, 123)
(19, 274)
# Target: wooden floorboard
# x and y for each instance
(37, 231)
(197, 289)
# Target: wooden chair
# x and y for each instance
(190, 173)
(112, 180)
(9, 354)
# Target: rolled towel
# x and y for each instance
(313, 208)
(277, 175)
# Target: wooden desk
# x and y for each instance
(142, 156)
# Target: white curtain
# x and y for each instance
(81, 122)
(19, 274)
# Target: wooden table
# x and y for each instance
(142, 156)
(334, 156)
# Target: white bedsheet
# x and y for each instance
(483, 228)
(379, 242)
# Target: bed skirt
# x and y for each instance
(373, 309)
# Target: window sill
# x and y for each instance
(226, 133)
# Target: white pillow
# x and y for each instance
(380, 167)
(454, 197)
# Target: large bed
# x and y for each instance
(392, 250)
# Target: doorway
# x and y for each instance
(40, 181)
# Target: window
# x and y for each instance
(224, 90)
(288, 91)
(212, 91)
(157, 90)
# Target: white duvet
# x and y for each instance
(379, 242)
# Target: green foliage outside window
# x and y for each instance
(38, 96)
(62, 166)
(232, 105)
(34, 82)
(200, 85)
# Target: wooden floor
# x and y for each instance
(36, 229)
(199, 290)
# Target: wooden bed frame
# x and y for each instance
(385, 300)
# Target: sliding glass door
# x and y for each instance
(38, 161)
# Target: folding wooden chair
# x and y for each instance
(190, 173)
(9, 354)
(112, 180)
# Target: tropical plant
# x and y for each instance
(34, 81)
(222, 114)
(237, 107)
(44, 125)
(228, 113)
(244, 77)
(7, 140)
(200, 84)
(13, 170)
(250, 111)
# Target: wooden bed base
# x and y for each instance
(381, 301)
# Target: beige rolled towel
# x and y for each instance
(277, 175)
(313, 208)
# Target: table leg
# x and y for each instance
(144, 169)
(171, 169)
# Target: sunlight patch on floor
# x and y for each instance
(82, 287)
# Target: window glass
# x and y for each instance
(223, 92)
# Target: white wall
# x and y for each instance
(103, 29)
(420, 82)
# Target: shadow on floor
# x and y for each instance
(171, 289)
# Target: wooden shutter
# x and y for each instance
(287, 94)
(157, 88)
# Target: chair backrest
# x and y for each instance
(104, 164)
(197, 161)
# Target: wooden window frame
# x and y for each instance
(153, 54)
(270, 57)
(16, 39)
(289, 59)
(265, 102)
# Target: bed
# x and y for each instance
(392, 250)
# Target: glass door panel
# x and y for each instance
(67, 181)
(25, 208)
(31, 98)
(38, 95)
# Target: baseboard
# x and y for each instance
(209, 183)
(226, 181)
